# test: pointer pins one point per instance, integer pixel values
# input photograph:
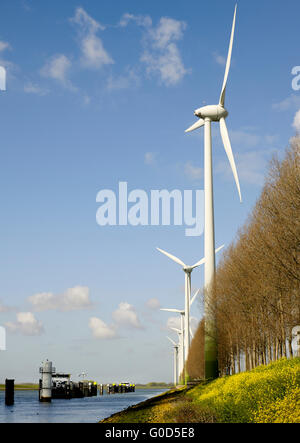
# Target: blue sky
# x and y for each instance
(98, 93)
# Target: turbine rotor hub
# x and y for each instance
(213, 112)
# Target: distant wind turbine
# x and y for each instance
(188, 271)
(175, 346)
(182, 313)
(82, 374)
(206, 115)
(180, 333)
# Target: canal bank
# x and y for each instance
(267, 394)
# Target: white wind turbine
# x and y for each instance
(188, 271)
(207, 114)
(182, 330)
(181, 336)
(182, 313)
(180, 333)
(175, 346)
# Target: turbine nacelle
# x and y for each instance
(213, 112)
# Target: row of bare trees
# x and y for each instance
(256, 298)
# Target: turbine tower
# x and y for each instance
(181, 336)
(180, 333)
(206, 115)
(175, 346)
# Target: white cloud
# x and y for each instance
(93, 52)
(31, 88)
(126, 316)
(251, 166)
(293, 101)
(101, 330)
(26, 324)
(128, 80)
(153, 304)
(4, 308)
(4, 46)
(10, 68)
(247, 137)
(72, 299)
(193, 172)
(140, 20)
(175, 322)
(86, 22)
(86, 100)
(168, 30)
(167, 65)
(57, 68)
(161, 55)
(296, 122)
(149, 158)
(219, 59)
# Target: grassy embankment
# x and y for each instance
(154, 385)
(22, 387)
(268, 394)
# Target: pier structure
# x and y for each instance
(55, 385)
(120, 388)
(9, 392)
(45, 383)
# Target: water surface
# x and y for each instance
(28, 409)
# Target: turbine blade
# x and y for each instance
(172, 341)
(220, 248)
(228, 149)
(222, 96)
(202, 261)
(172, 310)
(194, 297)
(199, 263)
(176, 330)
(196, 125)
(191, 333)
(172, 257)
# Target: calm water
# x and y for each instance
(27, 408)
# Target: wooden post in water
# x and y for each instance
(9, 392)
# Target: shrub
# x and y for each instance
(266, 394)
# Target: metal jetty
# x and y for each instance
(120, 388)
(55, 385)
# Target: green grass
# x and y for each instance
(154, 385)
(23, 387)
(268, 394)
(149, 411)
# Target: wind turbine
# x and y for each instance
(175, 346)
(188, 271)
(181, 336)
(182, 330)
(206, 115)
(182, 313)
(82, 374)
(180, 333)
